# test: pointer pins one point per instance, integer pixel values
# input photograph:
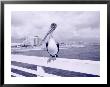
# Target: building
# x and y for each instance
(36, 40)
(31, 41)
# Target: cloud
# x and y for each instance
(70, 24)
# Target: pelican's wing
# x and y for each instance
(47, 46)
(58, 46)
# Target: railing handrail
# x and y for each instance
(84, 66)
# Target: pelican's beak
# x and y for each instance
(51, 30)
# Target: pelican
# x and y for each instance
(51, 45)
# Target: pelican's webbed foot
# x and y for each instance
(50, 59)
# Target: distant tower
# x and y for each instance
(36, 40)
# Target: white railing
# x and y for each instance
(83, 66)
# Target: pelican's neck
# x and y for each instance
(51, 35)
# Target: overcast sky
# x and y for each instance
(70, 24)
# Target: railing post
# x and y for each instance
(40, 71)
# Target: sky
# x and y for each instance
(70, 24)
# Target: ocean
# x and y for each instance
(88, 52)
